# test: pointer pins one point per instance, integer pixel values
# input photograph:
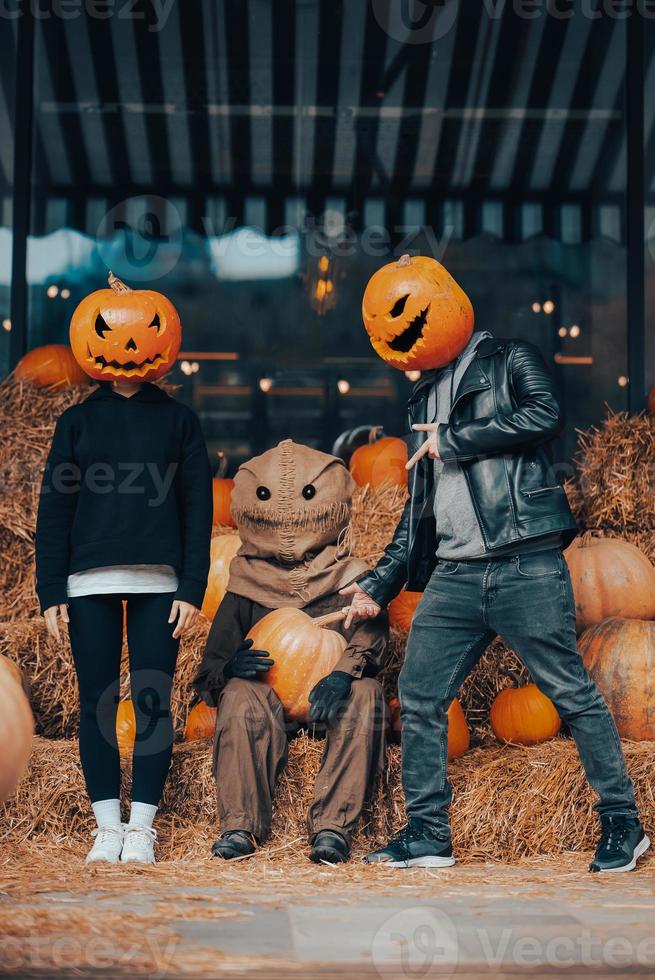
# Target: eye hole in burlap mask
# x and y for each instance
(263, 493)
(309, 491)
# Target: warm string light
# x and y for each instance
(265, 384)
(623, 381)
(412, 375)
(189, 367)
(6, 323)
(343, 386)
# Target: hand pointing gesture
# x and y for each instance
(429, 447)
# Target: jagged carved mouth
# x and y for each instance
(406, 340)
(128, 366)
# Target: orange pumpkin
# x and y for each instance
(11, 668)
(16, 731)
(610, 577)
(416, 315)
(222, 491)
(651, 401)
(459, 736)
(201, 722)
(303, 651)
(524, 715)
(382, 460)
(125, 727)
(402, 608)
(133, 335)
(620, 656)
(51, 366)
(222, 550)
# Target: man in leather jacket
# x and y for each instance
(482, 536)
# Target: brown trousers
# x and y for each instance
(251, 749)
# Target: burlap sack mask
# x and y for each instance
(292, 508)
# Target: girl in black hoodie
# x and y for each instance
(125, 513)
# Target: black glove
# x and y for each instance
(247, 663)
(329, 696)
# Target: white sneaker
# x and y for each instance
(139, 844)
(108, 844)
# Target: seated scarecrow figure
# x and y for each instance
(292, 508)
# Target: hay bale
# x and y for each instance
(616, 473)
(375, 514)
(509, 802)
(48, 667)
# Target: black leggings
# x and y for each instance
(96, 635)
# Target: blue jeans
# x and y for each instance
(528, 600)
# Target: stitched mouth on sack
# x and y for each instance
(313, 518)
(406, 340)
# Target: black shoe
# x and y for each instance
(234, 844)
(622, 841)
(329, 846)
(415, 846)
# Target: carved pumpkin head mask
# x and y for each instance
(416, 315)
(126, 334)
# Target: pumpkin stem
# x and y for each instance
(375, 434)
(222, 464)
(116, 284)
(333, 617)
(403, 261)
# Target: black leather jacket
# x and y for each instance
(504, 414)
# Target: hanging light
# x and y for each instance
(6, 323)
(575, 330)
(52, 291)
(185, 367)
(265, 384)
(549, 306)
(536, 307)
(195, 367)
(343, 386)
(623, 381)
(563, 332)
(65, 293)
(323, 263)
(412, 375)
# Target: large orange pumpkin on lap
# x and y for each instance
(620, 656)
(303, 651)
(126, 334)
(416, 315)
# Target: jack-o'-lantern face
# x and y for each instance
(416, 315)
(120, 333)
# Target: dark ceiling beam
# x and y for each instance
(510, 51)
(284, 91)
(238, 83)
(63, 83)
(371, 94)
(416, 67)
(327, 96)
(149, 66)
(583, 97)
(466, 37)
(550, 48)
(192, 32)
(105, 68)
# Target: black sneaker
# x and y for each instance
(414, 847)
(329, 846)
(622, 841)
(234, 844)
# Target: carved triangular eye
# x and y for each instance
(399, 306)
(101, 326)
(155, 321)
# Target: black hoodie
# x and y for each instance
(127, 482)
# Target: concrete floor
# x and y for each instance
(471, 921)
